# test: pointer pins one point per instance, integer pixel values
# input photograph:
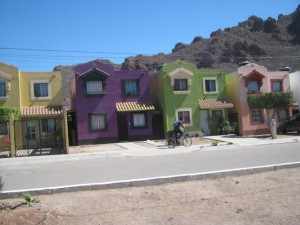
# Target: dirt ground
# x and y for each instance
(265, 198)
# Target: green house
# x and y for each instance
(198, 96)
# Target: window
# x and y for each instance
(217, 115)
(40, 90)
(210, 85)
(276, 86)
(98, 121)
(48, 125)
(94, 87)
(3, 128)
(139, 120)
(2, 89)
(180, 85)
(253, 86)
(282, 115)
(185, 114)
(131, 87)
(257, 116)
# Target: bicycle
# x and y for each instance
(185, 139)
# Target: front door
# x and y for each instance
(123, 127)
(31, 133)
(204, 122)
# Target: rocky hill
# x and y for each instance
(273, 43)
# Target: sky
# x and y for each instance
(37, 35)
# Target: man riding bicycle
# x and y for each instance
(178, 129)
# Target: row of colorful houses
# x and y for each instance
(110, 105)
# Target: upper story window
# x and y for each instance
(4, 85)
(180, 85)
(94, 87)
(210, 85)
(253, 86)
(276, 85)
(2, 89)
(131, 87)
(180, 80)
(40, 90)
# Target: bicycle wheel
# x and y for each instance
(187, 141)
(171, 143)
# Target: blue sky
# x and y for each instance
(66, 32)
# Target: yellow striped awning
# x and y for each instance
(134, 106)
(214, 104)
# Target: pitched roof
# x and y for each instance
(134, 106)
(40, 110)
(214, 104)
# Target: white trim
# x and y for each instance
(210, 92)
(181, 73)
(4, 76)
(32, 82)
(190, 112)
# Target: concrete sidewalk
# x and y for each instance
(153, 148)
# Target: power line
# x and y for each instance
(70, 51)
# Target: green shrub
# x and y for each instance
(215, 143)
(4, 113)
(29, 199)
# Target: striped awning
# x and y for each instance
(134, 106)
(40, 111)
(214, 104)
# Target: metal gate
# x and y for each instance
(4, 140)
(35, 137)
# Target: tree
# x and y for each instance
(4, 113)
(270, 102)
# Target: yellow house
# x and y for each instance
(41, 126)
(9, 86)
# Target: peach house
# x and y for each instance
(249, 79)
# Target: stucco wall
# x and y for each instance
(246, 127)
(54, 79)
(13, 93)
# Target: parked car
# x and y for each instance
(292, 124)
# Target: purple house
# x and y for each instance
(111, 105)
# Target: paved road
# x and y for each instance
(41, 173)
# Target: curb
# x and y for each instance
(149, 181)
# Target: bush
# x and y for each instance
(222, 127)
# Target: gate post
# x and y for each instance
(66, 134)
(12, 135)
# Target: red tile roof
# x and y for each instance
(40, 110)
(134, 106)
(214, 104)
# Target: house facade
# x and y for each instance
(294, 83)
(40, 125)
(198, 96)
(252, 79)
(111, 105)
(41, 117)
